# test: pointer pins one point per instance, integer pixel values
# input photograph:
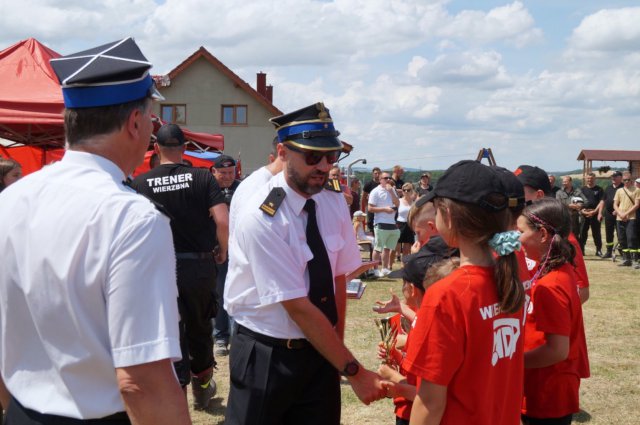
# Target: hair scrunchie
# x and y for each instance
(505, 243)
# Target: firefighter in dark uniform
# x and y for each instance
(224, 171)
(199, 223)
(608, 212)
(590, 212)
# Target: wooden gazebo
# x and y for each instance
(631, 157)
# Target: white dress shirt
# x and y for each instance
(268, 257)
(87, 284)
(247, 188)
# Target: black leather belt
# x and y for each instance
(20, 414)
(194, 255)
(291, 344)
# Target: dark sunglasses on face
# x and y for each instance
(626, 180)
(314, 157)
(385, 178)
(406, 190)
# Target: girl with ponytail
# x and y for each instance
(468, 340)
(555, 348)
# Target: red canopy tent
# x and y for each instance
(31, 108)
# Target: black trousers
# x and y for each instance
(197, 306)
(278, 386)
(609, 228)
(594, 224)
(565, 420)
(370, 221)
(17, 414)
(628, 236)
(222, 329)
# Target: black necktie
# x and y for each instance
(320, 274)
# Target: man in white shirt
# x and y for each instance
(286, 287)
(88, 311)
(383, 203)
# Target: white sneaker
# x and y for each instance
(385, 272)
(378, 273)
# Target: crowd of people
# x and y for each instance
(117, 294)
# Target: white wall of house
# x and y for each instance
(204, 90)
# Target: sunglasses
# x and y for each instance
(314, 157)
(626, 180)
(385, 178)
(406, 190)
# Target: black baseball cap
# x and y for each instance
(224, 161)
(514, 189)
(616, 174)
(534, 177)
(416, 265)
(170, 135)
(471, 182)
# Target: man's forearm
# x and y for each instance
(318, 330)
(341, 304)
(152, 395)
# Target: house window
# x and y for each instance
(234, 114)
(176, 114)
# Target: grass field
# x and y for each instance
(612, 322)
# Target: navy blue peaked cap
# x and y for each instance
(110, 74)
(308, 128)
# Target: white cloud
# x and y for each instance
(575, 134)
(473, 68)
(608, 30)
(511, 23)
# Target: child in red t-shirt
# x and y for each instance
(467, 345)
(431, 269)
(555, 346)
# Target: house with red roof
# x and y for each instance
(205, 95)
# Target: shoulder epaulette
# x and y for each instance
(333, 185)
(273, 201)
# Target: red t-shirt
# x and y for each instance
(463, 341)
(552, 391)
(581, 268)
(402, 405)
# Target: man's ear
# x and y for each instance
(282, 152)
(539, 194)
(133, 124)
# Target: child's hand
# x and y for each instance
(390, 306)
(390, 374)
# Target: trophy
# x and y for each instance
(388, 336)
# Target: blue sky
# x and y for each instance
(415, 82)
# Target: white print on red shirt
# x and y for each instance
(527, 301)
(505, 338)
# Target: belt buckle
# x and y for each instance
(289, 344)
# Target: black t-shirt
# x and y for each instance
(369, 186)
(609, 193)
(187, 193)
(229, 191)
(422, 191)
(594, 196)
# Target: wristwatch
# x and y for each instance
(350, 369)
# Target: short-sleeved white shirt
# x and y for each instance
(268, 257)
(380, 197)
(87, 284)
(245, 190)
